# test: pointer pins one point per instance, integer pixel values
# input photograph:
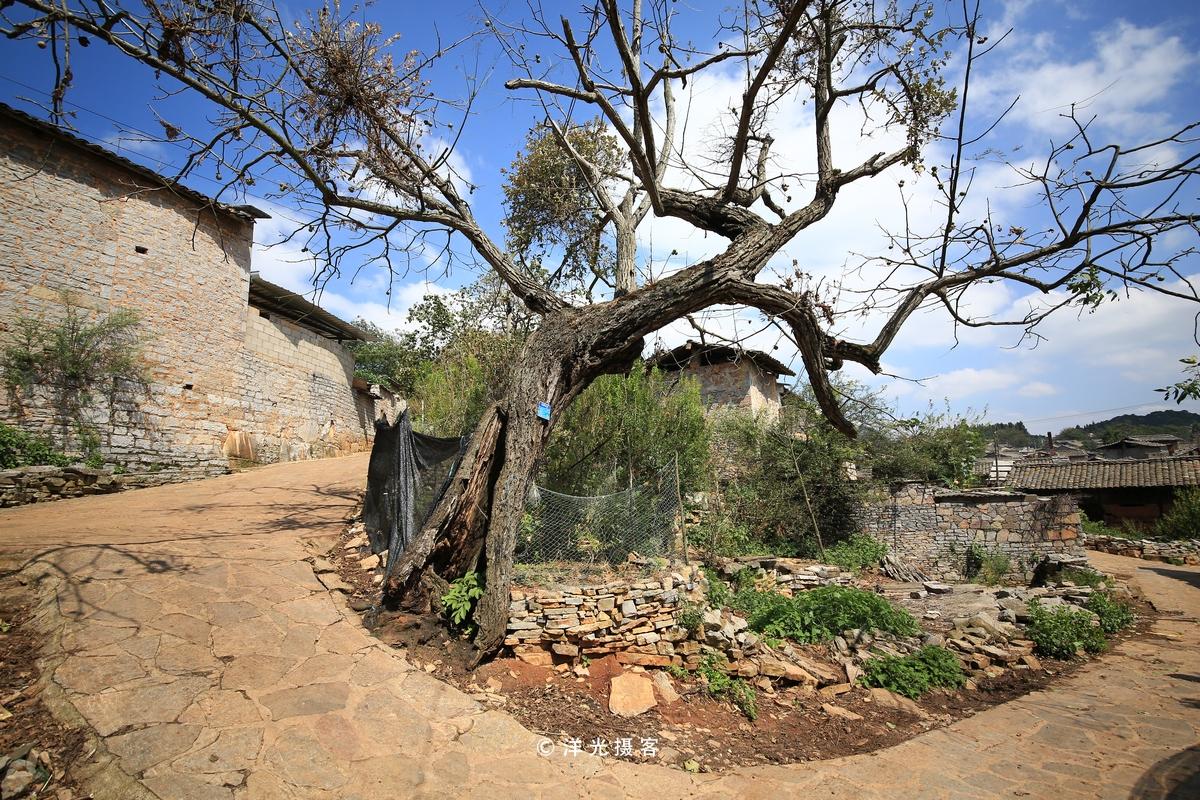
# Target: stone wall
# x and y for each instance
(935, 529)
(643, 622)
(740, 384)
(40, 484)
(297, 403)
(225, 385)
(637, 621)
(1186, 551)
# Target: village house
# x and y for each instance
(1142, 445)
(240, 370)
(1134, 491)
(729, 376)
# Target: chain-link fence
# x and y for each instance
(643, 519)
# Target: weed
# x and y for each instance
(820, 614)
(1081, 577)
(857, 553)
(718, 684)
(1114, 614)
(719, 594)
(691, 617)
(461, 597)
(915, 674)
(989, 567)
(1062, 632)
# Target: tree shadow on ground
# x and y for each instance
(1190, 577)
(1173, 778)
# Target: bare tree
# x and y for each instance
(366, 144)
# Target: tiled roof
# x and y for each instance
(246, 212)
(690, 351)
(1116, 474)
(1138, 441)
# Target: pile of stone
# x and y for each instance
(787, 575)
(23, 771)
(638, 621)
(1185, 551)
(41, 484)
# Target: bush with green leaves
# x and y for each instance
(1114, 613)
(719, 593)
(713, 668)
(458, 601)
(20, 448)
(913, 675)
(856, 553)
(1080, 577)
(691, 616)
(820, 614)
(989, 567)
(1062, 632)
(1182, 520)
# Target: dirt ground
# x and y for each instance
(31, 729)
(697, 732)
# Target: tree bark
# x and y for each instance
(481, 512)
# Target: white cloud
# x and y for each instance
(1132, 71)
(1037, 389)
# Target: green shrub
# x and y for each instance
(1081, 577)
(989, 567)
(719, 594)
(1098, 527)
(1113, 612)
(1182, 520)
(858, 552)
(717, 682)
(19, 448)
(820, 614)
(691, 617)
(915, 674)
(1062, 632)
(460, 599)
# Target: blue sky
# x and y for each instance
(1133, 65)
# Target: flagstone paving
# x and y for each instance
(186, 630)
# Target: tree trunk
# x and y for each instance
(482, 509)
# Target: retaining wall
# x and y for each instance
(935, 529)
(40, 484)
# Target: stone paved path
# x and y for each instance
(187, 631)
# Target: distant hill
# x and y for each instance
(1180, 423)
(1008, 434)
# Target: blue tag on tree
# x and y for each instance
(543, 411)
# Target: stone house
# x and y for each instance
(1153, 445)
(1119, 492)
(239, 369)
(729, 376)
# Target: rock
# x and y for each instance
(933, 587)
(830, 692)
(989, 624)
(888, 699)
(839, 712)
(1031, 661)
(360, 603)
(493, 684)
(628, 608)
(535, 656)
(565, 649)
(369, 562)
(630, 694)
(18, 779)
(666, 689)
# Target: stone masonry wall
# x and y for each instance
(298, 403)
(39, 484)
(1186, 551)
(935, 529)
(74, 221)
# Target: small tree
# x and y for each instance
(81, 358)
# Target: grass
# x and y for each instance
(820, 614)
(915, 674)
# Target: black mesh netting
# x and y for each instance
(407, 474)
